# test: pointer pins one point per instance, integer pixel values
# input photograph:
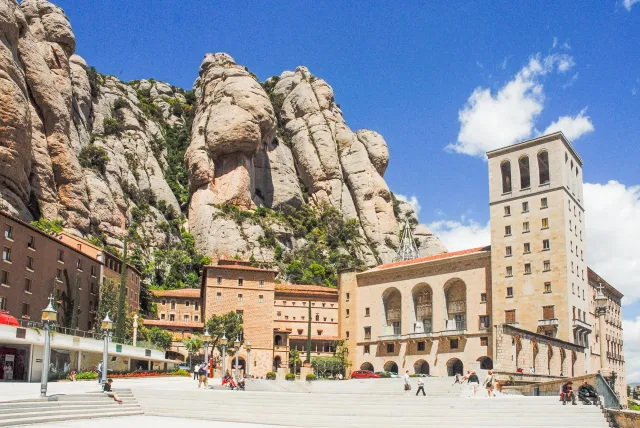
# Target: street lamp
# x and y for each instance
(248, 346)
(106, 325)
(206, 337)
(49, 317)
(223, 343)
(601, 312)
(237, 345)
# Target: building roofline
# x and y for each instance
(535, 141)
(606, 284)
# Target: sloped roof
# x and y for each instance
(183, 292)
(302, 289)
(167, 324)
(485, 249)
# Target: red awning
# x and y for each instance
(8, 320)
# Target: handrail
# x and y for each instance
(611, 400)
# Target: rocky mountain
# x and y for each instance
(235, 162)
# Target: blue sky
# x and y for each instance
(408, 73)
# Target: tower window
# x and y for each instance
(544, 203)
(545, 223)
(525, 178)
(543, 167)
(507, 230)
(507, 210)
(505, 167)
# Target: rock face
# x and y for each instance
(97, 153)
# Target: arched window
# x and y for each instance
(506, 176)
(543, 167)
(525, 178)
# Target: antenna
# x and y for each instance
(407, 249)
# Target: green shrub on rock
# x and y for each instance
(94, 157)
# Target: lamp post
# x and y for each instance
(223, 343)
(601, 312)
(49, 317)
(237, 346)
(248, 346)
(106, 325)
(206, 337)
(135, 329)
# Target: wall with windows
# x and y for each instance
(178, 305)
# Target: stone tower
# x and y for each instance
(538, 243)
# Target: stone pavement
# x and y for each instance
(143, 422)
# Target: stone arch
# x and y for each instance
(390, 366)
(422, 301)
(455, 297)
(534, 352)
(486, 363)
(525, 173)
(276, 363)
(392, 310)
(421, 367)
(278, 340)
(366, 366)
(543, 167)
(454, 366)
(505, 169)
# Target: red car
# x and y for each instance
(364, 374)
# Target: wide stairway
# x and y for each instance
(68, 407)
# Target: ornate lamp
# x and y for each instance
(49, 317)
(248, 347)
(106, 325)
(206, 338)
(237, 346)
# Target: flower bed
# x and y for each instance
(130, 375)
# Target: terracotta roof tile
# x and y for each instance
(317, 290)
(486, 248)
(239, 267)
(302, 336)
(183, 292)
(165, 323)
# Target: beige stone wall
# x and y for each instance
(348, 299)
(292, 312)
(189, 307)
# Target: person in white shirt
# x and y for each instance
(420, 383)
(407, 382)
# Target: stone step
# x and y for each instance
(65, 408)
(35, 419)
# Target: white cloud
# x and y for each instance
(412, 200)
(489, 121)
(555, 42)
(461, 235)
(612, 232)
(631, 330)
(628, 4)
(571, 81)
(573, 127)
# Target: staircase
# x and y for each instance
(68, 407)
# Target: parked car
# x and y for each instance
(394, 374)
(364, 374)
(184, 366)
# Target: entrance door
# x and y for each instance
(14, 363)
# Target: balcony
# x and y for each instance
(424, 310)
(420, 335)
(457, 307)
(390, 337)
(551, 322)
(393, 315)
(280, 348)
(454, 329)
(581, 325)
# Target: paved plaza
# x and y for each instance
(177, 402)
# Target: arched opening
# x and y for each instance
(392, 303)
(543, 167)
(486, 363)
(391, 367)
(525, 176)
(241, 366)
(421, 367)
(278, 340)
(423, 308)
(366, 366)
(455, 293)
(276, 363)
(454, 366)
(505, 167)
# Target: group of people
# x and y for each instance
(492, 385)
(586, 393)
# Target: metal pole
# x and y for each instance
(237, 352)
(224, 355)
(105, 357)
(135, 329)
(309, 336)
(206, 356)
(248, 363)
(47, 358)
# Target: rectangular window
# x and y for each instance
(196, 318)
(186, 318)
(31, 242)
(547, 265)
(421, 346)
(6, 254)
(507, 230)
(510, 316)
(347, 313)
(367, 349)
(8, 232)
(219, 280)
(3, 303)
(483, 297)
(173, 304)
(60, 256)
(79, 264)
(509, 291)
(347, 295)
(527, 248)
(507, 210)
(239, 298)
(27, 284)
(544, 203)
(172, 317)
(29, 262)
(218, 296)
(571, 267)
(525, 227)
(93, 270)
(545, 223)
(527, 268)
(240, 282)
(570, 229)
(163, 302)
(367, 312)
(4, 279)
(261, 283)
(484, 321)
(367, 333)
(507, 251)
(162, 316)
(548, 312)
(25, 310)
(525, 207)
(453, 344)
(240, 313)
(59, 274)
(187, 303)
(546, 244)
(260, 298)
(484, 341)
(390, 348)
(509, 271)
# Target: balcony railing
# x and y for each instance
(548, 322)
(578, 323)
(420, 335)
(455, 328)
(456, 307)
(393, 315)
(390, 337)
(424, 310)
(280, 348)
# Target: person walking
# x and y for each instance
(100, 373)
(407, 382)
(202, 373)
(420, 383)
(457, 379)
(489, 382)
(474, 382)
(196, 368)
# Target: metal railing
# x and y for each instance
(610, 398)
(547, 322)
(578, 323)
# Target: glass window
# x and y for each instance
(543, 167)
(525, 178)
(4, 278)
(31, 242)
(547, 265)
(509, 291)
(509, 271)
(505, 167)
(367, 333)
(507, 230)
(239, 298)
(8, 232)
(507, 210)
(483, 297)
(544, 203)
(240, 281)
(546, 245)
(527, 247)
(60, 255)
(527, 268)
(508, 251)
(260, 298)
(525, 207)
(547, 287)
(261, 283)
(367, 312)
(6, 254)
(219, 280)
(27, 284)
(29, 262)
(545, 223)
